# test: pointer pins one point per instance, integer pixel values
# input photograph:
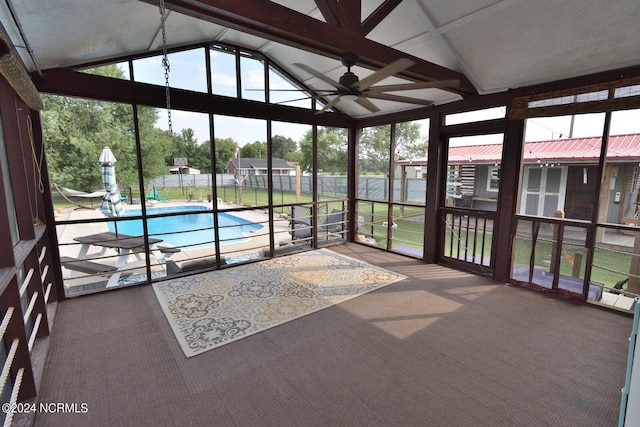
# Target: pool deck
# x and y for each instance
(252, 244)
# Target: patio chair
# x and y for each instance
(207, 262)
(300, 213)
(300, 223)
(164, 197)
(333, 223)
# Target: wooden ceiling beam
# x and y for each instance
(377, 16)
(353, 10)
(341, 14)
(68, 82)
(329, 13)
(275, 22)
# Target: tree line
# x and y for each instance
(76, 130)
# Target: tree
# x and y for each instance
(185, 145)
(75, 131)
(282, 147)
(375, 143)
(255, 150)
(202, 157)
(295, 157)
(374, 149)
(225, 150)
(409, 142)
(332, 150)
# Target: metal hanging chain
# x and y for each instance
(165, 64)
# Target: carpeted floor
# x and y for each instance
(440, 348)
(219, 307)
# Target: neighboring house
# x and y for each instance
(242, 166)
(557, 175)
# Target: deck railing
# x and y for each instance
(92, 267)
(468, 235)
(593, 262)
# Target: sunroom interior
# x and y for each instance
(498, 138)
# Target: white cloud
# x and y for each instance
(224, 79)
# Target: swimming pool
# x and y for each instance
(231, 226)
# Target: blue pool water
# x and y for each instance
(231, 227)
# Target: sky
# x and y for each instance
(188, 72)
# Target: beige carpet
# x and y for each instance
(211, 309)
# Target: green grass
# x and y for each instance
(250, 197)
(618, 262)
(409, 232)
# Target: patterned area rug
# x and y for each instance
(212, 309)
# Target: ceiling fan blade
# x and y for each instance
(320, 76)
(413, 86)
(384, 72)
(319, 91)
(367, 104)
(293, 100)
(276, 90)
(329, 105)
(397, 98)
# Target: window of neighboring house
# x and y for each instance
(493, 178)
(634, 188)
(635, 181)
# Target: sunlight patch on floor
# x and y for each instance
(473, 292)
(435, 272)
(405, 328)
(420, 309)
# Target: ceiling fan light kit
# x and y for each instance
(349, 97)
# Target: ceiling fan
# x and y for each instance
(351, 88)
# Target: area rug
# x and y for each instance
(212, 309)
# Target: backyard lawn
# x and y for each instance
(608, 267)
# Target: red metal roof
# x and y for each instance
(568, 150)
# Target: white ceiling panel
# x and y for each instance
(242, 39)
(543, 40)
(400, 25)
(407, 29)
(182, 30)
(445, 12)
(430, 48)
(497, 44)
(307, 7)
(66, 33)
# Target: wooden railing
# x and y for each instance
(467, 238)
(25, 290)
(6, 382)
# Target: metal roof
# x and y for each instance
(570, 150)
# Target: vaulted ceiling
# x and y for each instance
(487, 45)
